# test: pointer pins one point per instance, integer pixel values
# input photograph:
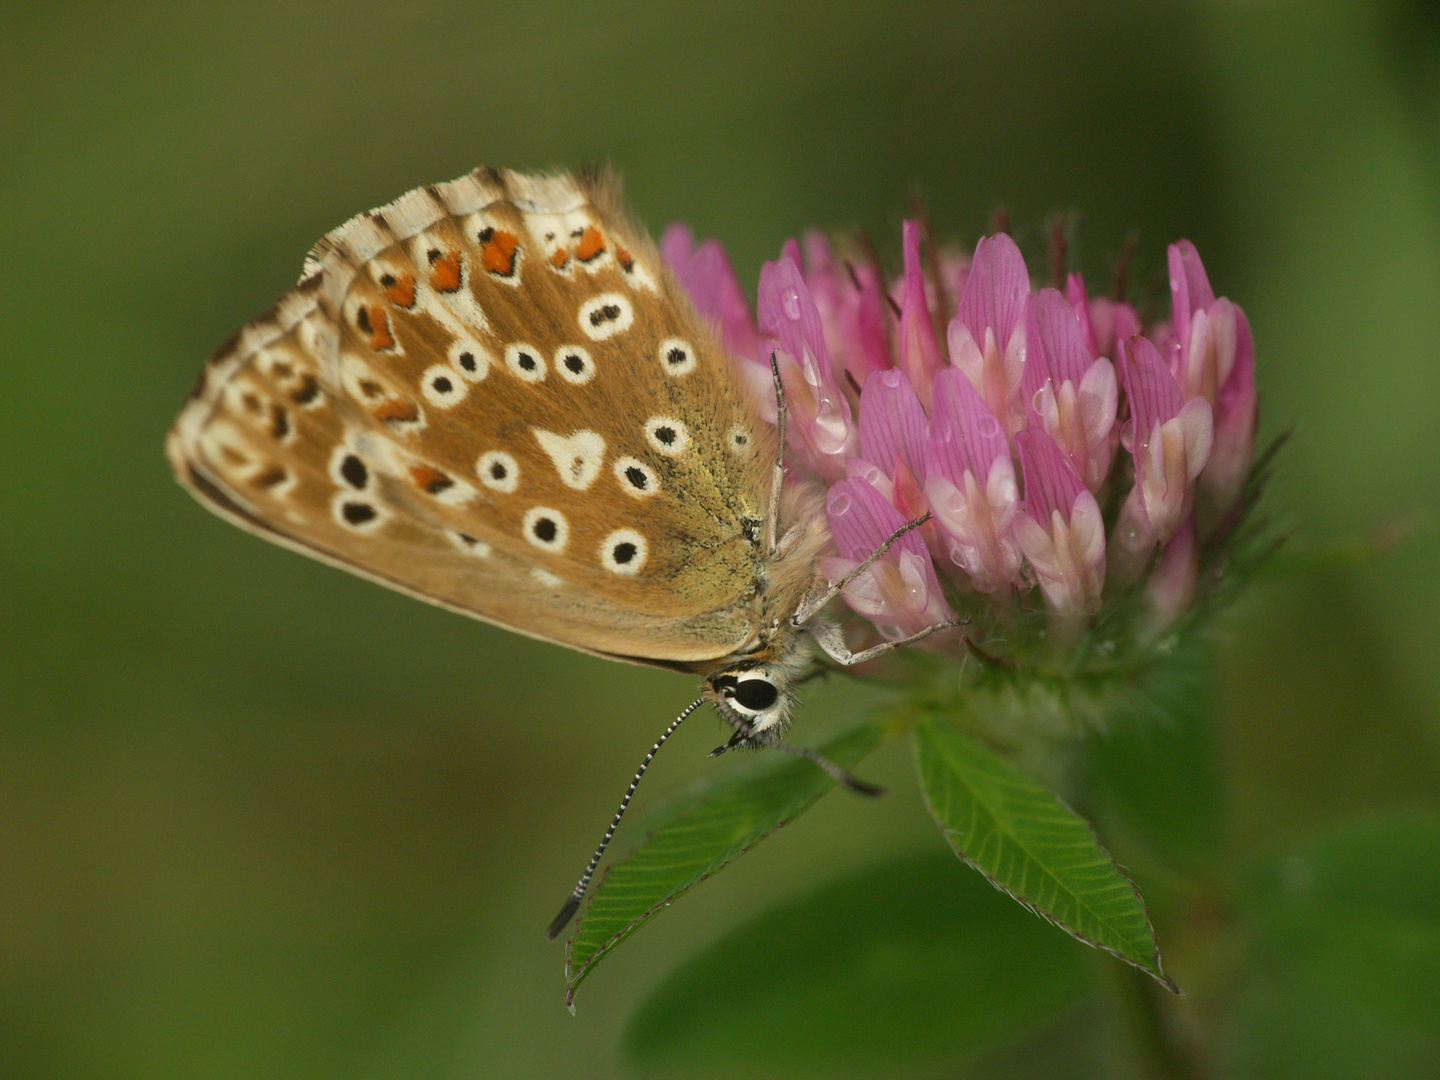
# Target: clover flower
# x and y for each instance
(1077, 481)
(1001, 410)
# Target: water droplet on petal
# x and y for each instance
(990, 427)
(892, 378)
(790, 303)
(830, 429)
(912, 578)
(810, 369)
(839, 504)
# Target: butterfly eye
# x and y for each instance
(757, 694)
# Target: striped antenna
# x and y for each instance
(573, 904)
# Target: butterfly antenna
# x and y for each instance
(573, 904)
(772, 513)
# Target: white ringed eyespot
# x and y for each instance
(677, 356)
(574, 364)
(605, 315)
(546, 528)
(498, 471)
(623, 552)
(526, 362)
(636, 478)
(667, 435)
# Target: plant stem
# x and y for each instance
(1158, 1055)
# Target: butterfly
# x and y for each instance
(491, 394)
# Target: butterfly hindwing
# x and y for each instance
(491, 394)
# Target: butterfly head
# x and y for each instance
(754, 698)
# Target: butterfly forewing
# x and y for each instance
(491, 394)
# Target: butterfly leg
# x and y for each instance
(772, 513)
(835, 772)
(827, 635)
(824, 594)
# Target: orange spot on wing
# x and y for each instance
(445, 272)
(624, 258)
(429, 478)
(397, 410)
(590, 245)
(497, 252)
(558, 258)
(401, 291)
(375, 325)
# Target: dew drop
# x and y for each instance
(892, 378)
(990, 428)
(840, 504)
(829, 428)
(790, 302)
(912, 584)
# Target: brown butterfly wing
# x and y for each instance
(492, 395)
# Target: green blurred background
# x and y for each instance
(258, 818)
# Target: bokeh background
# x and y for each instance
(258, 818)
